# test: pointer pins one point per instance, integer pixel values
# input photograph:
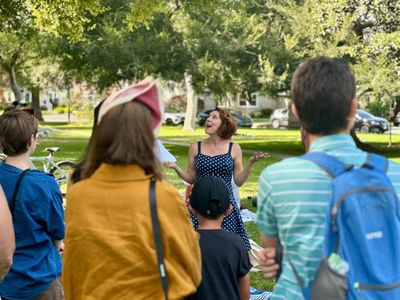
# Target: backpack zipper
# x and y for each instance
(376, 287)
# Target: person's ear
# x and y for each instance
(294, 110)
(351, 118)
(31, 140)
(228, 210)
(192, 210)
(353, 108)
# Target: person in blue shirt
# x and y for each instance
(38, 215)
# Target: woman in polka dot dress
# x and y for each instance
(217, 156)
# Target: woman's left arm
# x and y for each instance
(241, 173)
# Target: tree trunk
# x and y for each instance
(396, 109)
(361, 145)
(36, 102)
(14, 83)
(191, 106)
(9, 66)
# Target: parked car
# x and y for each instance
(173, 116)
(241, 121)
(283, 117)
(396, 121)
(366, 122)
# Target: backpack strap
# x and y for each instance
(330, 164)
(16, 189)
(198, 147)
(377, 162)
(157, 238)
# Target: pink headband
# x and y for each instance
(145, 92)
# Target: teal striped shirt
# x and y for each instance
(292, 201)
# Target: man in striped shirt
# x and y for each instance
(294, 193)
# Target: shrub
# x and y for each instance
(378, 108)
(84, 116)
(61, 110)
(255, 114)
(4, 105)
(266, 112)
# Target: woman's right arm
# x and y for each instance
(7, 237)
(190, 175)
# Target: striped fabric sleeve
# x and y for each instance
(265, 218)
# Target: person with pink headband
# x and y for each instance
(110, 250)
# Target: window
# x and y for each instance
(253, 102)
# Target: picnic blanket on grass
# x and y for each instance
(256, 294)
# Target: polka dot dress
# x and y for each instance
(221, 166)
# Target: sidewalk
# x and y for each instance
(55, 117)
(278, 155)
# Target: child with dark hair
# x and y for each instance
(226, 263)
(38, 216)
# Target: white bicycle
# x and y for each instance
(61, 170)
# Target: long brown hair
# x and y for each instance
(124, 136)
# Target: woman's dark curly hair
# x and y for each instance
(228, 125)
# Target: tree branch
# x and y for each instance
(16, 54)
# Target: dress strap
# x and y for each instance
(198, 147)
(230, 148)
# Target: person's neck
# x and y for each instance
(314, 137)
(214, 139)
(20, 161)
(208, 224)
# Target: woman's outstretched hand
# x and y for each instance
(259, 156)
(170, 165)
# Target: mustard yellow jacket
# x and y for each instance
(109, 245)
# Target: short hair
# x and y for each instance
(228, 125)
(16, 129)
(322, 91)
(124, 136)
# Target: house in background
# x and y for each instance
(79, 93)
(175, 96)
(7, 96)
(257, 103)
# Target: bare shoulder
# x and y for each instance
(193, 149)
(236, 150)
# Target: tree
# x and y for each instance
(224, 40)
(124, 43)
(232, 47)
(23, 25)
(113, 52)
(378, 68)
(366, 33)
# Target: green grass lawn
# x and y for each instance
(279, 141)
(72, 140)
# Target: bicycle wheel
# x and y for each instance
(61, 171)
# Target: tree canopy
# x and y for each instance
(228, 47)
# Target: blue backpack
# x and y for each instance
(363, 228)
